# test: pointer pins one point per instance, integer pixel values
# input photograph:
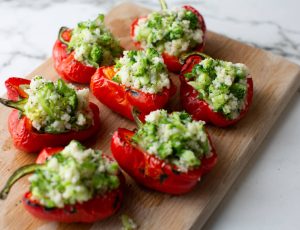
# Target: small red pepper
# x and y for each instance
(200, 109)
(172, 62)
(95, 209)
(64, 62)
(121, 99)
(152, 172)
(27, 139)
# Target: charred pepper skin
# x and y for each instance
(27, 139)
(172, 62)
(152, 172)
(200, 109)
(122, 100)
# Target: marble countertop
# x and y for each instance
(266, 195)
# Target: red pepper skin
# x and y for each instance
(152, 172)
(67, 66)
(14, 91)
(27, 139)
(199, 109)
(121, 99)
(98, 208)
(172, 62)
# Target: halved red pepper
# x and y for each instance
(172, 62)
(200, 109)
(27, 139)
(95, 209)
(121, 99)
(153, 172)
(64, 62)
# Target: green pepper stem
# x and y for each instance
(184, 57)
(163, 4)
(19, 173)
(135, 114)
(19, 105)
(60, 38)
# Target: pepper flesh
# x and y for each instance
(66, 65)
(200, 109)
(122, 100)
(27, 139)
(172, 62)
(152, 172)
(99, 207)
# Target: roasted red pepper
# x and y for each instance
(152, 172)
(121, 99)
(200, 109)
(172, 62)
(27, 139)
(65, 63)
(95, 209)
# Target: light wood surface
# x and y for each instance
(275, 81)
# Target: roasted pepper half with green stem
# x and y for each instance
(78, 52)
(171, 32)
(48, 114)
(71, 184)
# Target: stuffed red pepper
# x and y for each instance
(139, 79)
(215, 91)
(171, 32)
(73, 184)
(79, 52)
(168, 153)
(48, 113)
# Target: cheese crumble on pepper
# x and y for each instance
(144, 70)
(94, 44)
(171, 31)
(175, 138)
(57, 107)
(74, 175)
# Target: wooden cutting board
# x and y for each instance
(275, 82)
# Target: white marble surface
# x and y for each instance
(266, 196)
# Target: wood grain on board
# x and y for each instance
(275, 81)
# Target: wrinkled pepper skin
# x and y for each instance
(122, 100)
(172, 62)
(199, 109)
(67, 66)
(98, 208)
(27, 139)
(152, 172)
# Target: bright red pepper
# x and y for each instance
(152, 172)
(199, 109)
(66, 65)
(95, 209)
(27, 139)
(172, 62)
(122, 99)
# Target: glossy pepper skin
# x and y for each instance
(199, 109)
(66, 65)
(172, 62)
(98, 208)
(27, 139)
(152, 172)
(121, 99)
